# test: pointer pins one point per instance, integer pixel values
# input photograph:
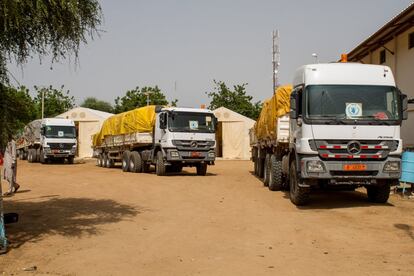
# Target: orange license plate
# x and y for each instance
(355, 167)
(195, 154)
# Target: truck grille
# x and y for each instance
(61, 146)
(193, 144)
(353, 149)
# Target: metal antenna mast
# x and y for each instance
(275, 59)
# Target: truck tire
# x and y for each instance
(260, 167)
(37, 159)
(98, 161)
(24, 153)
(255, 167)
(298, 195)
(110, 163)
(276, 177)
(380, 193)
(125, 160)
(101, 162)
(105, 160)
(160, 167)
(30, 155)
(202, 169)
(71, 160)
(266, 172)
(42, 157)
(135, 162)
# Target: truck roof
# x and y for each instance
(58, 122)
(187, 109)
(344, 73)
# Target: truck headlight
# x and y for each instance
(174, 154)
(211, 154)
(315, 166)
(392, 166)
(73, 150)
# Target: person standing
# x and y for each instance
(10, 167)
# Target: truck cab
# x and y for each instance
(57, 140)
(345, 124)
(186, 137)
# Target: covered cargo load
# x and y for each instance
(31, 134)
(273, 108)
(138, 120)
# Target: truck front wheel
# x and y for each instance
(71, 160)
(160, 168)
(201, 169)
(380, 193)
(298, 195)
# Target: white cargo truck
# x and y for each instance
(180, 137)
(343, 130)
(48, 140)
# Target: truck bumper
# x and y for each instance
(173, 155)
(338, 174)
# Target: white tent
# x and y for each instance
(232, 134)
(88, 122)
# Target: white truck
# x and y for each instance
(343, 130)
(181, 137)
(48, 140)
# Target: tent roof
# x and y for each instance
(224, 114)
(85, 114)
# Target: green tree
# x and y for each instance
(17, 109)
(57, 101)
(138, 97)
(96, 104)
(45, 27)
(236, 99)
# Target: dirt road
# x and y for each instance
(85, 220)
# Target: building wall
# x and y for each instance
(402, 65)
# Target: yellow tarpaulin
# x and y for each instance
(273, 108)
(138, 120)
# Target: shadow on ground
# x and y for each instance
(408, 229)
(328, 199)
(71, 217)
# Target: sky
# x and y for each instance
(184, 45)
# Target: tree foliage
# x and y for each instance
(96, 104)
(17, 108)
(138, 97)
(57, 101)
(45, 27)
(236, 99)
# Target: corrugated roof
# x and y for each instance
(400, 23)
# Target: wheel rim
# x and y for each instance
(124, 164)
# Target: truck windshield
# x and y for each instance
(352, 104)
(191, 122)
(60, 132)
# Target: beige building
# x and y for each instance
(88, 122)
(393, 45)
(232, 136)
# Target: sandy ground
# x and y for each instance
(84, 220)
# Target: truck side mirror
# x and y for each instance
(294, 105)
(163, 120)
(404, 102)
